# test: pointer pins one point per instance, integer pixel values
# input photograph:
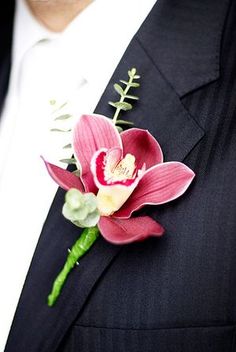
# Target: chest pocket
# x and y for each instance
(192, 339)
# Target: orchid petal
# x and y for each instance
(143, 146)
(160, 184)
(65, 179)
(119, 231)
(91, 133)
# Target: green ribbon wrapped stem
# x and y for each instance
(81, 246)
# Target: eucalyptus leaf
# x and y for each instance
(63, 105)
(123, 122)
(134, 85)
(119, 89)
(119, 129)
(63, 117)
(130, 84)
(112, 104)
(76, 173)
(60, 107)
(134, 97)
(59, 130)
(122, 105)
(68, 146)
(68, 161)
(132, 72)
(124, 82)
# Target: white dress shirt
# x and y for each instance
(73, 66)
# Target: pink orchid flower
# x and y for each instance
(126, 171)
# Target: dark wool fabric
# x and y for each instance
(171, 294)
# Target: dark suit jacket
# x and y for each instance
(176, 293)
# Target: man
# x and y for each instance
(56, 55)
(176, 293)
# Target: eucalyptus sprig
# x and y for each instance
(123, 105)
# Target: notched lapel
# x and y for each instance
(36, 327)
(159, 109)
(184, 40)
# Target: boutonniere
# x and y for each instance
(118, 172)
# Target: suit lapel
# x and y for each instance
(37, 327)
(159, 109)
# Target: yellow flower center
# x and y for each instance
(124, 170)
(111, 198)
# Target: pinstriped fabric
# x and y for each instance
(118, 340)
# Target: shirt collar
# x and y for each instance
(104, 21)
(27, 31)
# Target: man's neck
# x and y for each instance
(57, 14)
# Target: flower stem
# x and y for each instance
(81, 246)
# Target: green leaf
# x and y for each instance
(125, 82)
(119, 129)
(112, 104)
(132, 72)
(76, 173)
(62, 106)
(68, 146)
(59, 130)
(134, 97)
(122, 105)
(68, 161)
(134, 85)
(137, 77)
(123, 122)
(63, 117)
(119, 89)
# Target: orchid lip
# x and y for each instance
(116, 178)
